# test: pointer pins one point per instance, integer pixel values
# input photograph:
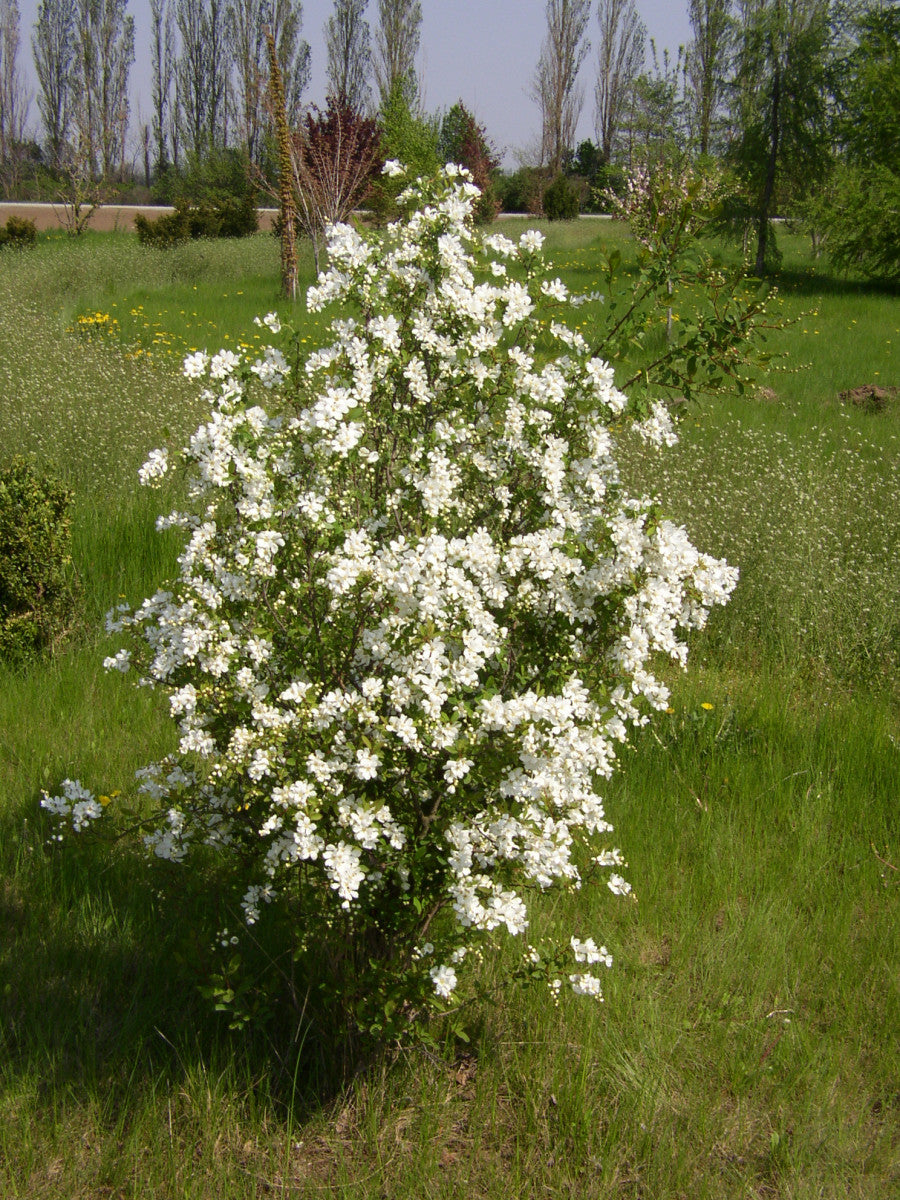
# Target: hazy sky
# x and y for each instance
(483, 52)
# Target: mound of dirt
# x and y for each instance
(870, 397)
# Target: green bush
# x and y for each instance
(407, 139)
(227, 217)
(37, 591)
(609, 181)
(19, 232)
(236, 216)
(857, 216)
(520, 192)
(561, 200)
(171, 229)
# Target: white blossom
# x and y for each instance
(415, 609)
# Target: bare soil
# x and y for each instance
(104, 219)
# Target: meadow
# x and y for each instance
(749, 1040)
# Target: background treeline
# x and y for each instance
(795, 102)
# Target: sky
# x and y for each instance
(482, 52)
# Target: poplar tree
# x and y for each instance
(397, 38)
(620, 59)
(13, 97)
(555, 85)
(202, 72)
(53, 48)
(162, 54)
(103, 60)
(707, 66)
(248, 21)
(348, 45)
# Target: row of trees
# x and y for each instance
(210, 75)
(797, 98)
(789, 95)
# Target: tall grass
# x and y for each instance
(751, 1029)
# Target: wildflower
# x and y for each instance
(444, 980)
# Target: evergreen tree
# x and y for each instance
(780, 104)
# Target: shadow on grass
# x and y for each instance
(813, 282)
(101, 971)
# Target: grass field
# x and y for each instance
(750, 1039)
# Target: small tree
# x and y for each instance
(333, 158)
(859, 211)
(781, 106)
(79, 193)
(405, 138)
(463, 141)
(288, 209)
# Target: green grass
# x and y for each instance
(749, 1039)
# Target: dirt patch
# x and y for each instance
(106, 218)
(870, 397)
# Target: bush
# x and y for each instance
(234, 217)
(19, 233)
(37, 594)
(227, 217)
(464, 142)
(171, 229)
(520, 192)
(859, 218)
(416, 616)
(610, 184)
(561, 200)
(405, 138)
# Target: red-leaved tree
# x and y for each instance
(334, 155)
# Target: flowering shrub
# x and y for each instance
(415, 619)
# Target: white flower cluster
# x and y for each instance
(76, 804)
(415, 614)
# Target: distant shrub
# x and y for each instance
(171, 229)
(226, 217)
(520, 192)
(561, 200)
(610, 181)
(37, 594)
(19, 232)
(236, 217)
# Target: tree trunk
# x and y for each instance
(765, 200)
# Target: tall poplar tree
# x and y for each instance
(202, 72)
(103, 60)
(162, 57)
(248, 21)
(347, 43)
(397, 38)
(13, 97)
(53, 48)
(620, 59)
(555, 85)
(707, 66)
